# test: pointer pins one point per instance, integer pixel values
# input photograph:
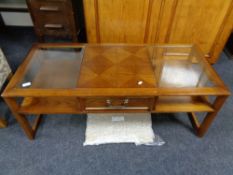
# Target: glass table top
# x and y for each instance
(53, 68)
(115, 66)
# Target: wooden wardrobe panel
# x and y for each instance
(155, 12)
(122, 21)
(206, 23)
(223, 35)
(198, 22)
(92, 26)
(115, 21)
(160, 20)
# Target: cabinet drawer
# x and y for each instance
(52, 23)
(53, 27)
(52, 18)
(106, 104)
(51, 0)
(55, 30)
(40, 7)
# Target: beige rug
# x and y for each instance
(119, 128)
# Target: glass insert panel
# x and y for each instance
(178, 67)
(53, 68)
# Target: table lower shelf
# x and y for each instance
(74, 105)
(183, 104)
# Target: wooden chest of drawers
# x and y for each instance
(53, 18)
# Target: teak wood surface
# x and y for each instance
(107, 82)
(3, 123)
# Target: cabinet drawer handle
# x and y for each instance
(49, 8)
(118, 108)
(123, 104)
(53, 26)
(109, 102)
(126, 101)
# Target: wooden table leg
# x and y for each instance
(194, 121)
(22, 120)
(3, 123)
(202, 128)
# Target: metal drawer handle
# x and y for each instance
(49, 8)
(123, 106)
(53, 26)
(118, 108)
(125, 102)
(109, 102)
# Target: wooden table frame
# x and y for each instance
(11, 94)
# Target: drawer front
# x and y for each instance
(53, 24)
(41, 7)
(51, 0)
(108, 104)
(55, 30)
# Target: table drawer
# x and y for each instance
(114, 103)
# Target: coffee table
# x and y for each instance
(92, 78)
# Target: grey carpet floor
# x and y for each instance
(58, 147)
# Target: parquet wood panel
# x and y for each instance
(121, 67)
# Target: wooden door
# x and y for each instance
(196, 21)
(117, 21)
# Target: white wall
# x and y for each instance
(17, 18)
